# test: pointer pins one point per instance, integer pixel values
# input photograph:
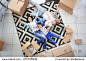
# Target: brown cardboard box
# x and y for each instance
(67, 5)
(78, 41)
(66, 38)
(43, 56)
(1, 45)
(70, 54)
(25, 48)
(69, 30)
(18, 6)
(63, 52)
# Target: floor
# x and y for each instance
(12, 46)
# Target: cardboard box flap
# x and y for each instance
(27, 52)
(15, 7)
(21, 3)
(69, 3)
(69, 30)
(15, 1)
(66, 38)
(36, 46)
(25, 46)
(61, 51)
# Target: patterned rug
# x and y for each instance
(25, 34)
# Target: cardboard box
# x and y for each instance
(1, 45)
(78, 41)
(15, 1)
(43, 56)
(18, 6)
(63, 52)
(28, 51)
(67, 5)
(70, 54)
(69, 30)
(67, 38)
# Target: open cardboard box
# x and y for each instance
(1, 45)
(26, 49)
(67, 5)
(65, 51)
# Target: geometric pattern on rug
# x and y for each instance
(25, 34)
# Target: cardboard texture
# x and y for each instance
(26, 45)
(18, 6)
(27, 52)
(67, 38)
(63, 51)
(70, 54)
(25, 48)
(43, 56)
(35, 45)
(67, 5)
(69, 30)
(1, 45)
(78, 41)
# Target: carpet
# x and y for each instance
(25, 34)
